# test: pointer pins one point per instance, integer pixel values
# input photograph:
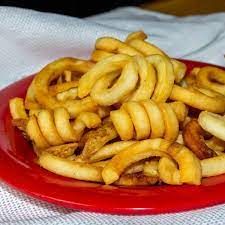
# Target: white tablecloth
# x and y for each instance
(30, 39)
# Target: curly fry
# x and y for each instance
(195, 98)
(212, 78)
(139, 151)
(137, 119)
(51, 72)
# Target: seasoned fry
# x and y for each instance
(96, 139)
(136, 152)
(68, 168)
(193, 136)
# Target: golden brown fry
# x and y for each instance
(35, 135)
(147, 80)
(136, 152)
(195, 98)
(62, 151)
(114, 45)
(96, 139)
(151, 168)
(168, 171)
(180, 109)
(136, 179)
(68, 168)
(109, 65)
(66, 95)
(136, 35)
(58, 88)
(170, 121)
(110, 150)
(103, 95)
(98, 55)
(54, 70)
(212, 78)
(189, 164)
(134, 120)
(30, 100)
(17, 110)
(165, 77)
(216, 144)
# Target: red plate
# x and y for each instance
(18, 169)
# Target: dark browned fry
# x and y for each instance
(193, 136)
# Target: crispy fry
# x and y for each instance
(193, 136)
(136, 35)
(193, 97)
(216, 144)
(110, 150)
(62, 151)
(136, 179)
(68, 168)
(139, 151)
(168, 171)
(106, 66)
(134, 120)
(51, 72)
(103, 95)
(17, 109)
(151, 168)
(189, 164)
(180, 109)
(212, 78)
(96, 139)
(165, 77)
(114, 45)
(213, 123)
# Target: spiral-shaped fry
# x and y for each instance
(146, 119)
(211, 78)
(51, 72)
(50, 128)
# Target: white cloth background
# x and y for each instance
(30, 39)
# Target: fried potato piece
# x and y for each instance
(62, 151)
(136, 152)
(213, 166)
(52, 71)
(180, 109)
(165, 77)
(103, 95)
(106, 66)
(96, 139)
(68, 168)
(17, 110)
(216, 144)
(136, 179)
(168, 171)
(213, 123)
(195, 98)
(110, 150)
(212, 78)
(150, 168)
(189, 164)
(193, 136)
